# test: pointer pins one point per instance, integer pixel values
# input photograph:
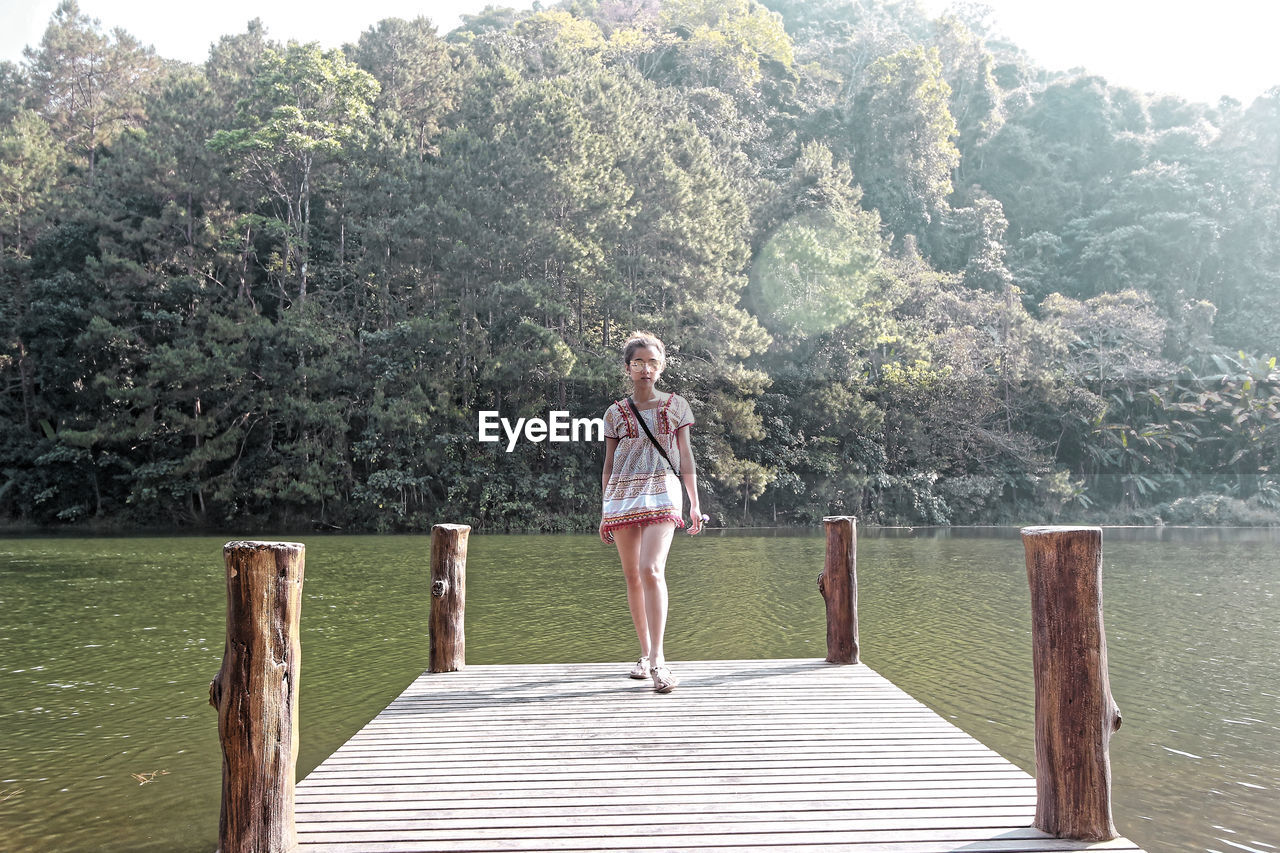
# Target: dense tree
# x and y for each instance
(413, 68)
(13, 90)
(1247, 167)
(29, 168)
(306, 108)
(89, 85)
(977, 103)
(902, 271)
(902, 138)
(1057, 159)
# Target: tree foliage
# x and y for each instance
(901, 271)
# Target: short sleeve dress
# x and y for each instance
(642, 488)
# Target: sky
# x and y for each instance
(1198, 50)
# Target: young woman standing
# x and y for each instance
(642, 494)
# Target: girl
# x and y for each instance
(642, 495)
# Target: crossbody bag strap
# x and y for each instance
(645, 427)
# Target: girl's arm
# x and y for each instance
(689, 474)
(610, 445)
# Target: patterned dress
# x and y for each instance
(642, 488)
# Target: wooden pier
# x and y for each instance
(744, 756)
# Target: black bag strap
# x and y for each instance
(645, 427)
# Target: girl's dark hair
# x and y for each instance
(642, 339)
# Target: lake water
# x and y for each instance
(107, 647)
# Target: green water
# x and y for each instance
(107, 647)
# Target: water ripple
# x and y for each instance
(110, 646)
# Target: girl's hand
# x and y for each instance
(605, 536)
(695, 522)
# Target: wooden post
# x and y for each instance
(448, 596)
(1075, 714)
(838, 584)
(256, 694)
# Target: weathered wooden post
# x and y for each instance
(1075, 714)
(256, 694)
(448, 596)
(838, 584)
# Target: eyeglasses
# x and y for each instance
(641, 364)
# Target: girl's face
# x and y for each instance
(645, 367)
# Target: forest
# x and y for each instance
(903, 273)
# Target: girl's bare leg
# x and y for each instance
(628, 540)
(655, 542)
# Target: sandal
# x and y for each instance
(663, 680)
(641, 669)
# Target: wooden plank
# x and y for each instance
(976, 840)
(513, 818)
(730, 786)
(923, 841)
(741, 757)
(662, 833)
(555, 762)
(871, 765)
(676, 738)
(803, 752)
(817, 755)
(608, 771)
(883, 829)
(435, 805)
